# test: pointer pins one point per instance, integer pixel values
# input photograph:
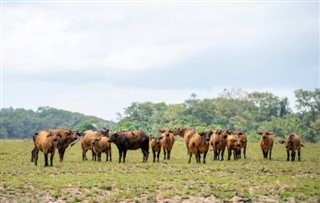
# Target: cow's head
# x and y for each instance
(113, 136)
(106, 132)
(224, 132)
(207, 134)
(157, 139)
(289, 142)
(166, 132)
(94, 141)
(264, 134)
(55, 135)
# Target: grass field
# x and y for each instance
(74, 180)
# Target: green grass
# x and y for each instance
(75, 180)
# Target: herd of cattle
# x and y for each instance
(197, 143)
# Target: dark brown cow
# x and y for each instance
(156, 145)
(167, 142)
(218, 142)
(100, 145)
(67, 137)
(131, 140)
(199, 144)
(45, 141)
(241, 143)
(186, 134)
(293, 144)
(266, 143)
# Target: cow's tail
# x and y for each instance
(75, 142)
(301, 145)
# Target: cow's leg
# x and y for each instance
(124, 155)
(36, 157)
(204, 157)
(270, 152)
(190, 155)
(165, 153)
(158, 155)
(288, 155)
(99, 156)
(51, 158)
(94, 155)
(293, 155)
(154, 156)
(187, 148)
(229, 154)
(45, 160)
(84, 157)
(222, 154)
(299, 155)
(169, 151)
(110, 154)
(61, 153)
(244, 151)
(120, 155)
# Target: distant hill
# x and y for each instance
(22, 123)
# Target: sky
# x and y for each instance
(98, 57)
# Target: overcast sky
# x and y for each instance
(98, 58)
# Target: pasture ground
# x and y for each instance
(246, 180)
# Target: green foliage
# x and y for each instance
(21, 123)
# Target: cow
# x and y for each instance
(156, 145)
(186, 134)
(130, 140)
(218, 142)
(199, 144)
(241, 143)
(233, 146)
(293, 144)
(100, 145)
(167, 142)
(45, 141)
(266, 143)
(67, 137)
(86, 141)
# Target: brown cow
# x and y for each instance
(241, 143)
(293, 144)
(199, 144)
(266, 143)
(131, 140)
(167, 142)
(45, 141)
(67, 137)
(100, 145)
(86, 144)
(186, 134)
(218, 142)
(156, 145)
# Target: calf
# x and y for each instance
(131, 140)
(100, 145)
(293, 144)
(241, 143)
(86, 141)
(233, 146)
(186, 134)
(45, 141)
(218, 142)
(199, 144)
(167, 142)
(266, 143)
(156, 145)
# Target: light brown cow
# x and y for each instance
(218, 142)
(156, 145)
(186, 134)
(232, 146)
(293, 144)
(102, 145)
(167, 142)
(199, 144)
(86, 144)
(241, 143)
(45, 141)
(266, 143)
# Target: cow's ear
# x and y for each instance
(281, 141)
(201, 133)
(170, 131)
(269, 133)
(160, 138)
(243, 140)
(162, 131)
(229, 132)
(259, 133)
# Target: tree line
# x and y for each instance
(233, 108)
